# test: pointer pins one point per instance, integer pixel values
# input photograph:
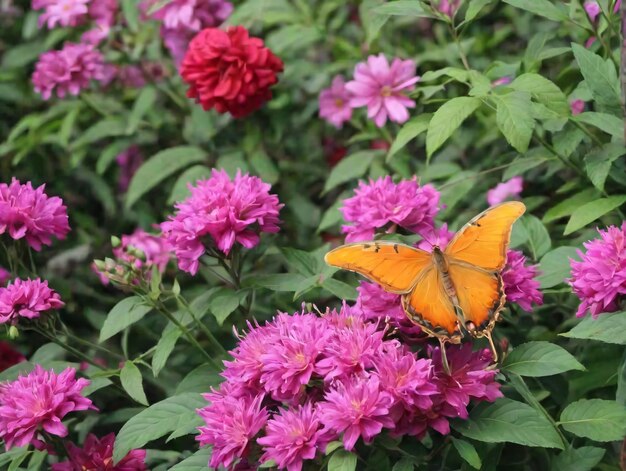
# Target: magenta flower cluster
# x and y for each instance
(27, 212)
(97, 454)
(599, 279)
(377, 85)
(520, 284)
(28, 299)
(223, 210)
(383, 204)
(39, 401)
(301, 381)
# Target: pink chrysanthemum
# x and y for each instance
(381, 88)
(231, 424)
(61, 12)
(383, 203)
(432, 237)
(599, 279)
(520, 285)
(27, 298)
(504, 191)
(129, 162)
(334, 103)
(156, 249)
(68, 71)
(229, 211)
(97, 454)
(103, 12)
(39, 400)
(191, 15)
(30, 213)
(357, 407)
(293, 436)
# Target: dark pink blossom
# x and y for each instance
(27, 298)
(520, 285)
(334, 103)
(577, 106)
(61, 12)
(129, 162)
(29, 213)
(505, 190)
(39, 401)
(432, 237)
(599, 279)
(97, 454)
(449, 7)
(191, 15)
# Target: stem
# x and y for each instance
(462, 55)
(562, 158)
(584, 129)
(68, 348)
(202, 326)
(597, 34)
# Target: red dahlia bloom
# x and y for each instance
(229, 71)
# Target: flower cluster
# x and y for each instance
(379, 86)
(520, 285)
(228, 211)
(383, 204)
(26, 212)
(39, 401)
(599, 279)
(301, 381)
(27, 298)
(97, 454)
(505, 190)
(230, 71)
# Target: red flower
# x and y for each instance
(9, 356)
(229, 71)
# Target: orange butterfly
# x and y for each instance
(444, 292)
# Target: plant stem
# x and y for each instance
(202, 326)
(68, 348)
(584, 129)
(462, 55)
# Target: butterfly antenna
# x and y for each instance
(444, 355)
(494, 352)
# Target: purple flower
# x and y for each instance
(176, 42)
(577, 106)
(61, 12)
(501, 81)
(381, 88)
(97, 454)
(231, 424)
(69, 70)
(129, 162)
(293, 436)
(131, 76)
(449, 7)
(229, 211)
(357, 407)
(520, 285)
(432, 237)
(30, 213)
(334, 103)
(39, 401)
(599, 279)
(103, 12)
(383, 203)
(191, 15)
(27, 298)
(593, 9)
(505, 190)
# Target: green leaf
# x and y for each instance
(555, 266)
(223, 302)
(538, 236)
(160, 166)
(603, 121)
(196, 462)
(332, 216)
(350, 168)
(180, 191)
(264, 166)
(591, 211)
(515, 120)
(447, 119)
(105, 128)
(156, 421)
(108, 155)
(200, 380)
(279, 282)
(600, 76)
(569, 205)
(342, 460)
(598, 163)
(126, 312)
(511, 421)
(144, 103)
(597, 419)
(620, 394)
(538, 359)
(408, 132)
(467, 452)
(372, 22)
(543, 8)
(164, 349)
(340, 289)
(303, 262)
(608, 327)
(578, 459)
(132, 382)
(410, 8)
(130, 8)
(543, 91)
(474, 8)
(523, 164)
(405, 464)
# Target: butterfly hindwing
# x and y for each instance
(484, 240)
(395, 267)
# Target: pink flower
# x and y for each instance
(231, 424)
(432, 237)
(191, 15)
(501, 81)
(334, 103)
(176, 42)
(39, 400)
(61, 12)
(94, 37)
(103, 12)
(129, 162)
(69, 70)
(131, 76)
(30, 213)
(357, 407)
(5, 276)
(229, 211)
(520, 285)
(97, 454)
(449, 7)
(382, 203)
(156, 249)
(380, 87)
(593, 9)
(293, 436)
(599, 279)
(27, 298)
(503, 191)
(577, 106)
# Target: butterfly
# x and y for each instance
(446, 292)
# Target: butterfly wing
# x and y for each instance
(395, 267)
(483, 242)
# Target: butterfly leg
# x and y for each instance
(494, 352)
(444, 355)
